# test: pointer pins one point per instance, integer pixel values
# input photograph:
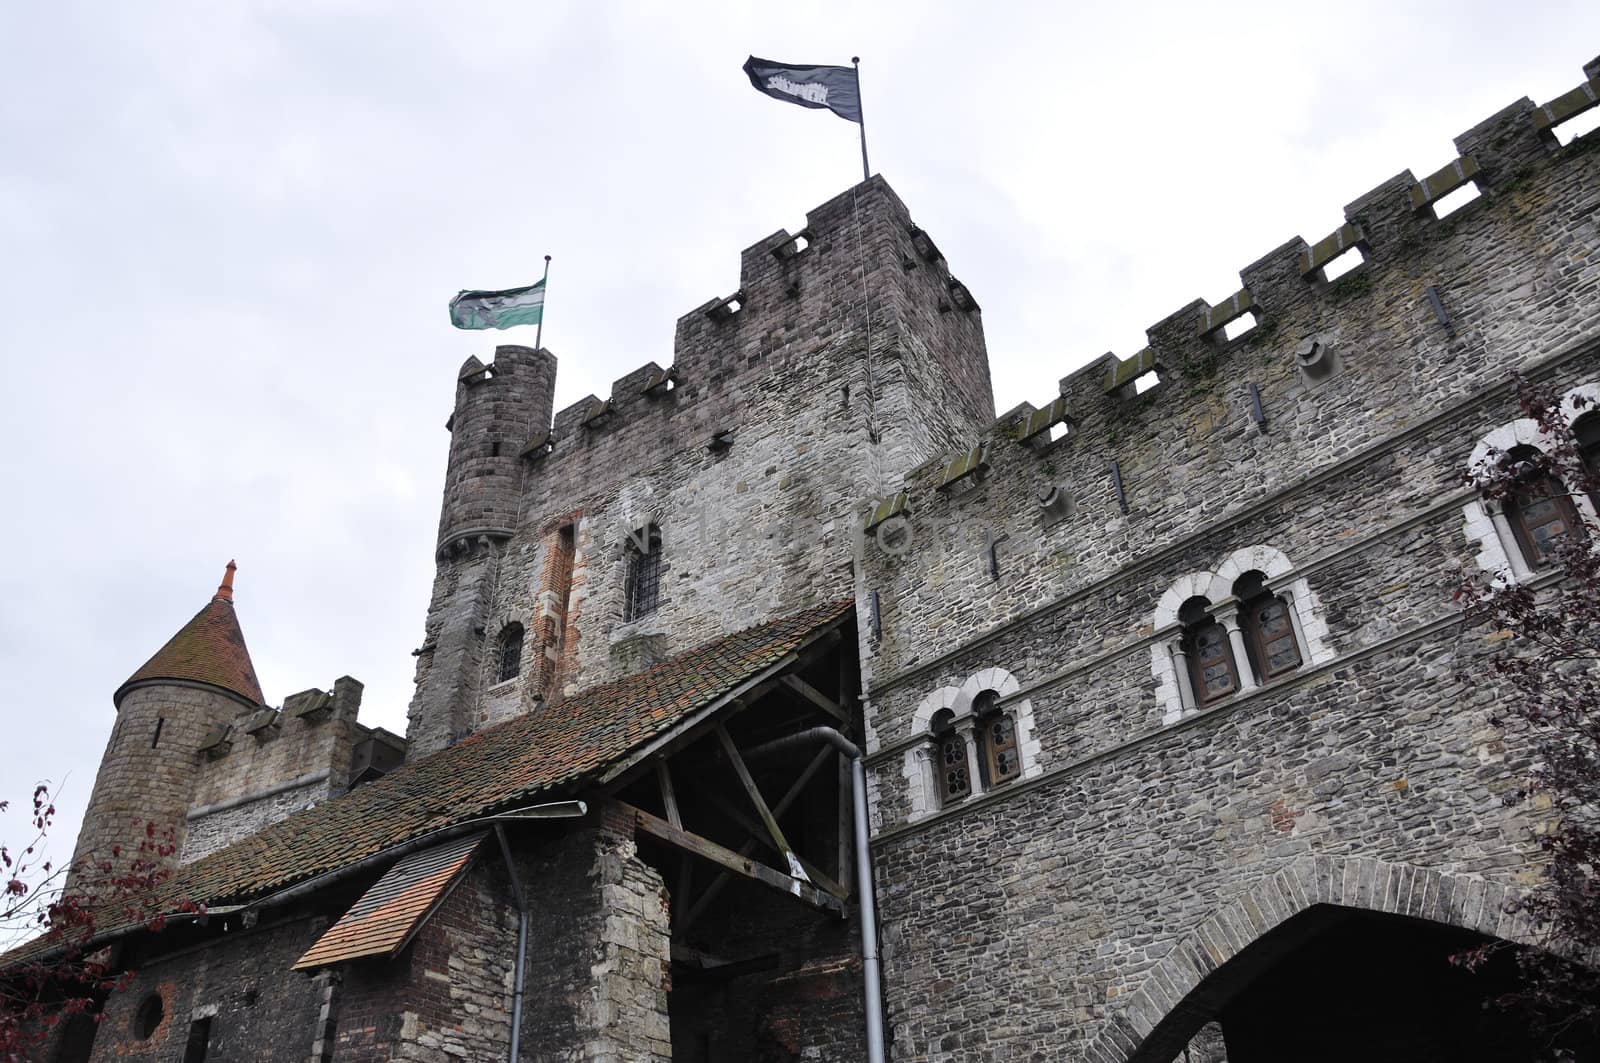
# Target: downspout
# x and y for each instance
(522, 944)
(872, 974)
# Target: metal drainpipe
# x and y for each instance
(522, 944)
(872, 974)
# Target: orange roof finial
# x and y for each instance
(225, 592)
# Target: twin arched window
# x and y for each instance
(1260, 630)
(986, 744)
(1524, 529)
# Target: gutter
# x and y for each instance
(522, 943)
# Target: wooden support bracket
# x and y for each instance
(704, 901)
(730, 861)
(817, 698)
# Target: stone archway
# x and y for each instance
(1179, 993)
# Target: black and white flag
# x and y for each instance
(831, 87)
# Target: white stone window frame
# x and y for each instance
(1486, 524)
(1174, 691)
(919, 768)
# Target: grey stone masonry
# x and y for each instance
(1148, 834)
(749, 457)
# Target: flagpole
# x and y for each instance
(544, 291)
(866, 171)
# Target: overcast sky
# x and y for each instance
(229, 231)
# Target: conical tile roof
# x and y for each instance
(209, 649)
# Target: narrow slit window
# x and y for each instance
(155, 739)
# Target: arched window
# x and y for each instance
(1541, 512)
(1268, 625)
(508, 659)
(1587, 429)
(642, 589)
(997, 740)
(1212, 670)
(950, 759)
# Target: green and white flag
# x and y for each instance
(515, 306)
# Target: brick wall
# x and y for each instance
(257, 1009)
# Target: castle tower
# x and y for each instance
(846, 354)
(499, 408)
(201, 678)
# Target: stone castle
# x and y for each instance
(787, 704)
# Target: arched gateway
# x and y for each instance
(1330, 958)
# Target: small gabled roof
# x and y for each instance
(209, 650)
(387, 916)
(573, 741)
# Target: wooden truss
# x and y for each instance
(702, 766)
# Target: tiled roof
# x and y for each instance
(386, 916)
(499, 767)
(209, 649)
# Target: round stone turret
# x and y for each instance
(200, 680)
(500, 410)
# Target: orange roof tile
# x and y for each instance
(499, 767)
(209, 649)
(387, 915)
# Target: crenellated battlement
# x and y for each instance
(797, 293)
(1428, 279)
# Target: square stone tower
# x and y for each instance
(700, 498)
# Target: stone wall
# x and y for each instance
(271, 764)
(448, 995)
(148, 772)
(1038, 918)
(598, 959)
(240, 984)
(752, 527)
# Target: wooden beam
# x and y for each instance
(730, 861)
(669, 796)
(817, 698)
(669, 801)
(705, 965)
(754, 793)
(752, 828)
(683, 923)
